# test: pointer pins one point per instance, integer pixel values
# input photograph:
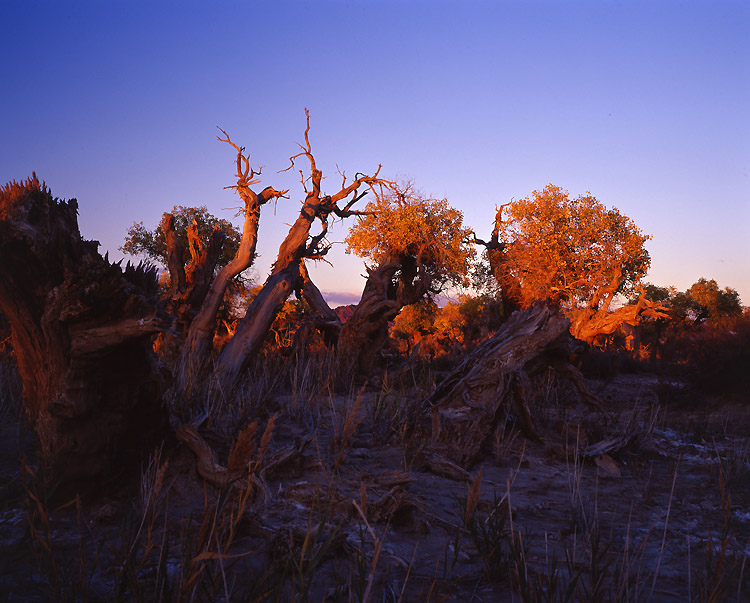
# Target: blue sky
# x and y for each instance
(644, 104)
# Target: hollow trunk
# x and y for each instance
(82, 330)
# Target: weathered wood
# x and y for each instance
(208, 290)
(460, 417)
(82, 330)
(254, 326)
(365, 333)
(287, 272)
(396, 283)
(177, 279)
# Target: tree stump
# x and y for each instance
(81, 330)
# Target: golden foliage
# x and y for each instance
(440, 331)
(407, 225)
(571, 250)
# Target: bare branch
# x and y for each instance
(306, 151)
(342, 213)
(370, 181)
(313, 249)
(246, 176)
(269, 193)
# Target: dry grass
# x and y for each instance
(356, 515)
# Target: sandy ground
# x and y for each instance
(663, 514)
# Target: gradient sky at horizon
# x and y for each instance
(644, 104)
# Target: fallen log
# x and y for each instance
(498, 381)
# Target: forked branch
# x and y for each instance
(246, 176)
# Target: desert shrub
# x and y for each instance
(715, 356)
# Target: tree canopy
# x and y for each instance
(704, 300)
(572, 250)
(152, 243)
(421, 234)
(710, 301)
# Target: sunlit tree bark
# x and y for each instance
(198, 344)
(288, 270)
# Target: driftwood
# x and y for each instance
(81, 330)
(497, 380)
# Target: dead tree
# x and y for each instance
(82, 330)
(205, 291)
(287, 272)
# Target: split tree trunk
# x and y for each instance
(197, 346)
(82, 330)
(196, 292)
(288, 273)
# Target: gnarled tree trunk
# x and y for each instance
(398, 282)
(288, 270)
(596, 318)
(198, 344)
(366, 331)
(82, 330)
